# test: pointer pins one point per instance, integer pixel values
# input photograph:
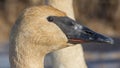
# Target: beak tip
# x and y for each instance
(110, 41)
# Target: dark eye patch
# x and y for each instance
(50, 18)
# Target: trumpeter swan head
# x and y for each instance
(33, 27)
(52, 29)
(42, 29)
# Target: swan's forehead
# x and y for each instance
(37, 17)
(43, 12)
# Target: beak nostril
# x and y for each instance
(89, 32)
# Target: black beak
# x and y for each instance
(87, 35)
(77, 33)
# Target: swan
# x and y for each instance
(42, 29)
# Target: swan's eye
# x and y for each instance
(50, 19)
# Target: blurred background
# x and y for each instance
(102, 16)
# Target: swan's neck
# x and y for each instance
(70, 57)
(25, 56)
